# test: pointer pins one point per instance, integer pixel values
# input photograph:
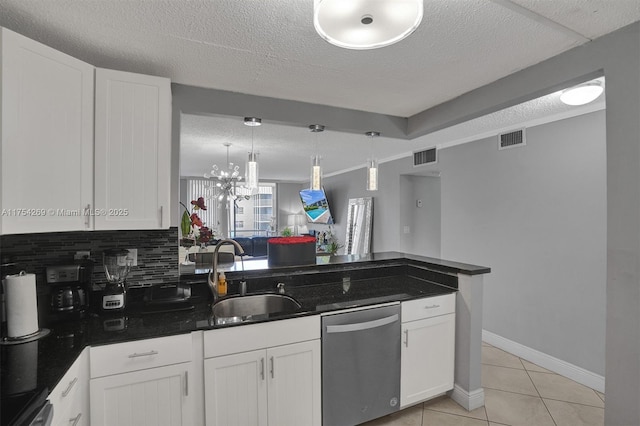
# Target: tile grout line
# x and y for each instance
(503, 366)
(572, 402)
(541, 399)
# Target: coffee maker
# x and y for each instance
(70, 289)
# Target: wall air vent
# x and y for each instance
(428, 156)
(511, 139)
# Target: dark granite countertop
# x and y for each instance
(378, 279)
(262, 266)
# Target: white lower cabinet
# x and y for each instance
(145, 382)
(428, 348)
(274, 386)
(70, 398)
(235, 389)
(293, 384)
(157, 396)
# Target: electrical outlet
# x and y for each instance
(82, 255)
(133, 255)
(407, 229)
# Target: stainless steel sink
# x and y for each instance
(252, 307)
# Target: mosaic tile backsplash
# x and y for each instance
(157, 253)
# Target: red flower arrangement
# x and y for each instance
(191, 225)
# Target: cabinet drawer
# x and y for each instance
(68, 393)
(246, 338)
(428, 307)
(139, 355)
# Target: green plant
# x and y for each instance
(333, 245)
(286, 232)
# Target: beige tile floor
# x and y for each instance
(517, 392)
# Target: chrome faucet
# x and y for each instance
(213, 275)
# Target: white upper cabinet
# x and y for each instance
(47, 138)
(132, 150)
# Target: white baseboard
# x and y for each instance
(573, 372)
(468, 400)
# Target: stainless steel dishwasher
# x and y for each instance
(360, 365)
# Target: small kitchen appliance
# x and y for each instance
(117, 265)
(70, 287)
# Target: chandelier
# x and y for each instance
(227, 186)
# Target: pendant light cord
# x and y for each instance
(252, 141)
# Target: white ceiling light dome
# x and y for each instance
(366, 24)
(582, 94)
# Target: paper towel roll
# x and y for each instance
(21, 304)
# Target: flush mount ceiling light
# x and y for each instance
(366, 24)
(582, 94)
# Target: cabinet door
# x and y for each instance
(157, 396)
(47, 138)
(236, 390)
(70, 397)
(294, 388)
(427, 358)
(133, 149)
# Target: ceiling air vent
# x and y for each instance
(511, 139)
(428, 156)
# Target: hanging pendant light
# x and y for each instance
(316, 166)
(251, 171)
(372, 165)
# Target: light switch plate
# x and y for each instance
(82, 255)
(133, 255)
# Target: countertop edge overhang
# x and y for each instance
(260, 267)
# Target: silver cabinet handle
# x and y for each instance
(161, 217)
(431, 306)
(136, 355)
(272, 368)
(68, 389)
(362, 325)
(262, 368)
(186, 383)
(87, 216)
(75, 420)
(406, 338)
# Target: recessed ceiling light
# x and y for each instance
(366, 24)
(582, 94)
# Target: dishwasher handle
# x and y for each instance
(346, 328)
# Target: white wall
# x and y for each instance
(422, 233)
(537, 216)
(287, 202)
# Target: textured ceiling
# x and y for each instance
(285, 151)
(270, 48)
